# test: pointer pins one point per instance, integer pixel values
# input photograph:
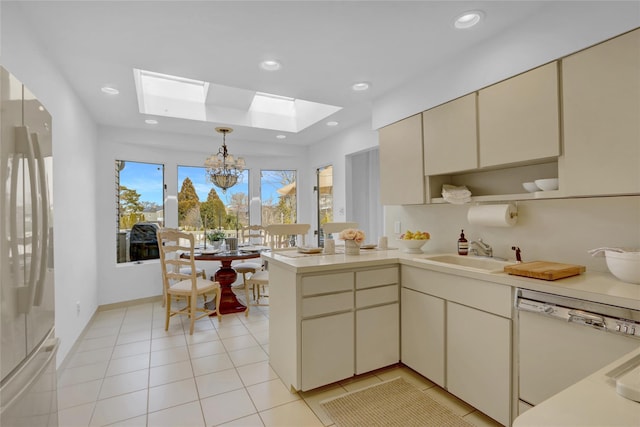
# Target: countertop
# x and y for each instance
(591, 285)
(592, 401)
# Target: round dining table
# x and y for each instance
(226, 276)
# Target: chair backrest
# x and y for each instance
(254, 234)
(171, 244)
(336, 227)
(282, 236)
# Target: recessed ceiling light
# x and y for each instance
(468, 19)
(281, 136)
(333, 123)
(361, 86)
(110, 90)
(270, 65)
(151, 121)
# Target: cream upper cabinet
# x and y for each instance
(601, 105)
(451, 137)
(519, 118)
(401, 172)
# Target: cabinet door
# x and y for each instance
(451, 137)
(327, 350)
(519, 118)
(423, 332)
(601, 104)
(401, 172)
(377, 337)
(479, 360)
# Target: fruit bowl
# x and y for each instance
(411, 246)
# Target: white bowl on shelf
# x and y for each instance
(411, 246)
(624, 265)
(549, 184)
(531, 187)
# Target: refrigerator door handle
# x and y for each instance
(24, 145)
(31, 370)
(43, 238)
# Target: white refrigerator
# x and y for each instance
(28, 344)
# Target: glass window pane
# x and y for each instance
(278, 195)
(205, 209)
(140, 208)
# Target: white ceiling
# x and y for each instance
(324, 47)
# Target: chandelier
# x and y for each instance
(222, 169)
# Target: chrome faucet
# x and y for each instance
(480, 248)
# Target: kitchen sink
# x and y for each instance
(473, 263)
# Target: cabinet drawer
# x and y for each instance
(488, 296)
(376, 296)
(378, 277)
(327, 283)
(326, 304)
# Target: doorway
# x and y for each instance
(324, 196)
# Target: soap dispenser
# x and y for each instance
(463, 244)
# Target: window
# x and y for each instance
(203, 207)
(140, 209)
(278, 194)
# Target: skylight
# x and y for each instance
(179, 97)
(273, 104)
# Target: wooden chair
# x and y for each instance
(279, 237)
(336, 227)
(255, 279)
(284, 236)
(180, 284)
(253, 234)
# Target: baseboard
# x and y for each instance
(125, 304)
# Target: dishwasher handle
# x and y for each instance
(588, 319)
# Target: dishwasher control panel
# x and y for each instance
(627, 328)
(578, 315)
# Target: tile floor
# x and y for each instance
(127, 371)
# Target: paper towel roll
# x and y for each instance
(493, 215)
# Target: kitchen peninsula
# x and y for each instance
(335, 316)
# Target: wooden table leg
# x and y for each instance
(226, 276)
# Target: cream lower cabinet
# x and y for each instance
(479, 360)
(377, 319)
(327, 349)
(349, 324)
(456, 331)
(423, 334)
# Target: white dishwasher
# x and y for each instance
(562, 340)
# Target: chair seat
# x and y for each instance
(260, 278)
(184, 286)
(247, 267)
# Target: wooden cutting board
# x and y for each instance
(545, 270)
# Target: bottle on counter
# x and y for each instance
(463, 244)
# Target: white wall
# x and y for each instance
(74, 180)
(333, 151)
(127, 281)
(534, 42)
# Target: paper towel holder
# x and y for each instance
(493, 214)
(512, 214)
